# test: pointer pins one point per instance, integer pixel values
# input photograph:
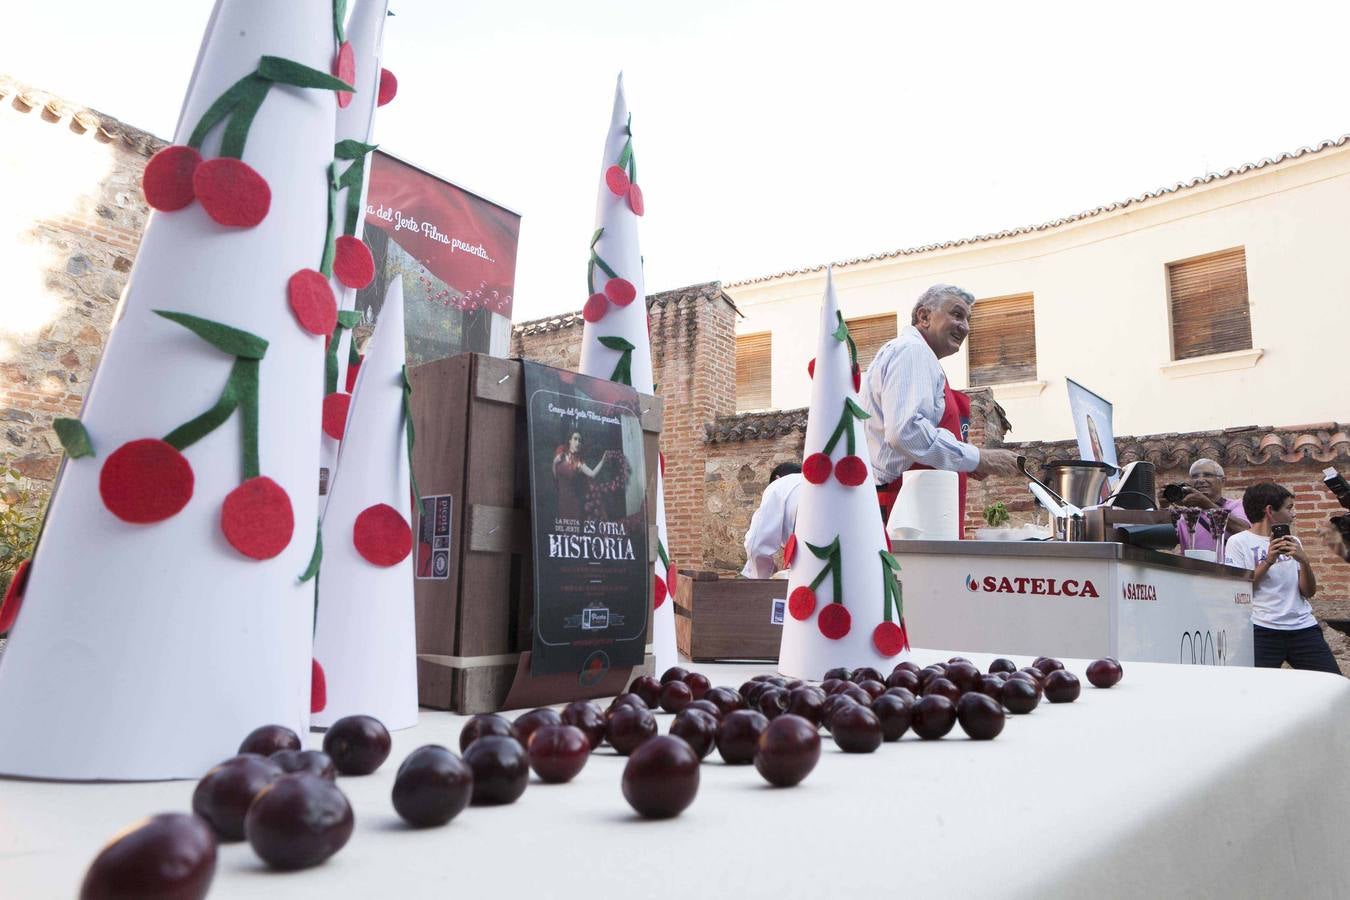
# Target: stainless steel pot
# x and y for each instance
(1079, 481)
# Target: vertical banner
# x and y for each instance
(456, 255)
(589, 506)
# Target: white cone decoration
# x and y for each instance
(355, 123)
(162, 618)
(364, 640)
(843, 595)
(614, 342)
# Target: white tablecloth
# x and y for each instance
(1181, 780)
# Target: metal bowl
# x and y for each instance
(1078, 481)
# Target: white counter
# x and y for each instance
(1076, 599)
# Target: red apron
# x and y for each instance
(956, 419)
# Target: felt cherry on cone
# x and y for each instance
(382, 536)
(9, 606)
(658, 591)
(790, 550)
(232, 192)
(851, 471)
(596, 307)
(635, 201)
(353, 369)
(388, 87)
(312, 302)
(620, 291)
(889, 638)
(167, 179)
(344, 68)
(834, 621)
(353, 263)
(335, 408)
(816, 468)
(318, 687)
(616, 179)
(145, 481)
(257, 518)
(801, 603)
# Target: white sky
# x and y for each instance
(773, 135)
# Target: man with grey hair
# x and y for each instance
(917, 420)
(1206, 493)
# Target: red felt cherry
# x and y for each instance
(231, 192)
(635, 202)
(335, 407)
(790, 550)
(857, 377)
(344, 69)
(816, 468)
(596, 307)
(616, 179)
(851, 471)
(888, 638)
(661, 458)
(257, 518)
(811, 368)
(167, 179)
(672, 576)
(658, 592)
(388, 87)
(382, 536)
(620, 291)
(353, 368)
(318, 687)
(352, 263)
(312, 302)
(145, 481)
(9, 607)
(802, 603)
(834, 621)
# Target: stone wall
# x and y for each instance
(70, 224)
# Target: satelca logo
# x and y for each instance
(1042, 587)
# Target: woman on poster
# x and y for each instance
(568, 467)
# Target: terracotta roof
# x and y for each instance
(1322, 443)
(82, 119)
(711, 290)
(1065, 220)
(754, 426)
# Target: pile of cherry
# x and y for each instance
(285, 801)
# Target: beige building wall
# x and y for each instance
(1101, 303)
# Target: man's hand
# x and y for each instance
(996, 462)
(1195, 498)
(1285, 546)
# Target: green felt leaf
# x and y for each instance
(216, 112)
(74, 438)
(855, 410)
(315, 558)
(890, 561)
(840, 333)
(349, 318)
(286, 71)
(595, 238)
(352, 149)
(614, 342)
(233, 341)
(823, 552)
(241, 119)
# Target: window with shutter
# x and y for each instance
(869, 333)
(753, 371)
(1002, 342)
(1208, 297)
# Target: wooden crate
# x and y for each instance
(727, 618)
(474, 628)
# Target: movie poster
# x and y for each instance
(588, 496)
(456, 254)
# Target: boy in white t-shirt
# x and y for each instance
(1283, 626)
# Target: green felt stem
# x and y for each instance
(408, 429)
(329, 244)
(191, 432)
(248, 411)
(834, 566)
(590, 277)
(632, 168)
(216, 112)
(623, 370)
(625, 154)
(604, 266)
(241, 120)
(353, 358)
(841, 333)
(339, 15)
(286, 71)
(316, 557)
(661, 552)
(351, 180)
(234, 341)
(74, 437)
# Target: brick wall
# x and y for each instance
(694, 367)
(70, 224)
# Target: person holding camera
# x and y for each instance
(1204, 492)
(1283, 626)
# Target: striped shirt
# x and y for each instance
(903, 391)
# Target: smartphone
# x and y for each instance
(1279, 531)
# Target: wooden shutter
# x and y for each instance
(869, 333)
(1209, 304)
(1002, 340)
(754, 372)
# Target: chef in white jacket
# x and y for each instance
(773, 522)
